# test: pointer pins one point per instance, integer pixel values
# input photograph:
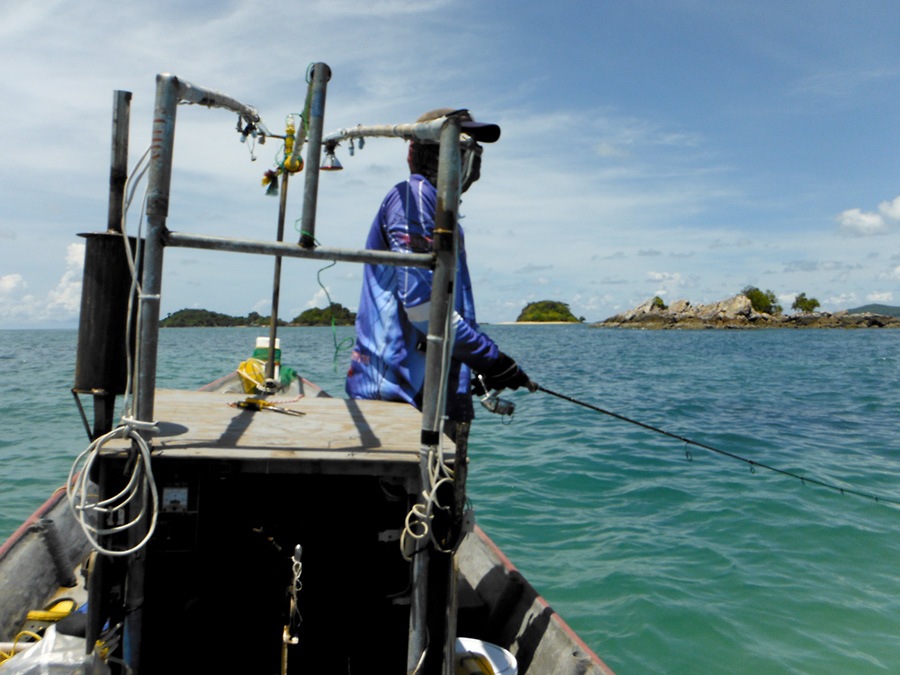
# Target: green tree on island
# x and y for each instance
(804, 304)
(763, 302)
(547, 311)
(336, 312)
(203, 318)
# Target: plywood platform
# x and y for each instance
(334, 435)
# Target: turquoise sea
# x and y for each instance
(664, 557)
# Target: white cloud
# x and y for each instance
(15, 303)
(319, 299)
(11, 284)
(64, 301)
(885, 297)
(842, 300)
(787, 299)
(891, 209)
(667, 282)
(856, 221)
(61, 304)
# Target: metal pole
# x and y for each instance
(426, 634)
(457, 532)
(160, 178)
(118, 171)
(420, 131)
(104, 403)
(439, 342)
(161, 150)
(214, 243)
(321, 73)
(276, 284)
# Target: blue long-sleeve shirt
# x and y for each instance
(388, 360)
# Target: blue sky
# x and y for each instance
(683, 148)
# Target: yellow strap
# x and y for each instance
(55, 612)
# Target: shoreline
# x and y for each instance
(535, 323)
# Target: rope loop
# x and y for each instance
(131, 425)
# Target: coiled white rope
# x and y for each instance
(90, 511)
(417, 525)
(88, 508)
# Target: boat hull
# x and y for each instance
(496, 602)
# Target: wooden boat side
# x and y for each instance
(38, 559)
(497, 604)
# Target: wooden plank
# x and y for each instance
(334, 435)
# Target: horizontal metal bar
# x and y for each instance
(422, 131)
(287, 250)
(191, 93)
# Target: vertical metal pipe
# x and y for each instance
(118, 172)
(159, 181)
(160, 178)
(440, 339)
(437, 356)
(321, 73)
(276, 284)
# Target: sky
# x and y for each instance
(680, 148)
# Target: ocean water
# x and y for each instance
(664, 557)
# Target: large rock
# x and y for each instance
(737, 312)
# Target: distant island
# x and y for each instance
(740, 312)
(336, 314)
(751, 308)
(547, 311)
(882, 310)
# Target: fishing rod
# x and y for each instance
(751, 462)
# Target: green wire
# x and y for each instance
(347, 342)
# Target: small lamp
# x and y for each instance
(330, 163)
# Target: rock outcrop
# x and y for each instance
(737, 312)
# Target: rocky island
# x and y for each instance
(737, 312)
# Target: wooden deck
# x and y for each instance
(334, 435)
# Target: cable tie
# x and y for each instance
(132, 424)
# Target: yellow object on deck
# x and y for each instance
(253, 375)
(58, 610)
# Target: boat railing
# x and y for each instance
(172, 91)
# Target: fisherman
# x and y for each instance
(388, 360)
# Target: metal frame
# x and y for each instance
(172, 91)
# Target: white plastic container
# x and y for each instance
(500, 659)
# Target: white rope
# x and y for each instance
(417, 525)
(86, 504)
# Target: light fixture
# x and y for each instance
(330, 163)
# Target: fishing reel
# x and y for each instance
(491, 400)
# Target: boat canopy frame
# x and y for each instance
(425, 613)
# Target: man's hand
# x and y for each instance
(506, 374)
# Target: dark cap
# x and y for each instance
(482, 132)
